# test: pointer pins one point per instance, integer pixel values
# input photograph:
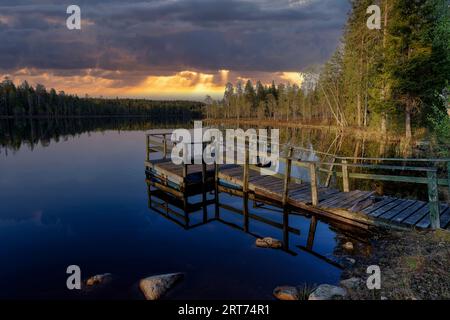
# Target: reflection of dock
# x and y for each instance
(172, 209)
(357, 208)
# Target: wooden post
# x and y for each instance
(331, 172)
(216, 190)
(287, 177)
(148, 147)
(448, 175)
(345, 178)
(311, 233)
(287, 181)
(245, 185)
(149, 194)
(205, 208)
(433, 200)
(165, 146)
(313, 177)
(185, 176)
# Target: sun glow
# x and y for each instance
(187, 84)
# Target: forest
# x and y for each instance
(392, 79)
(27, 101)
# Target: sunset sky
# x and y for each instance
(166, 49)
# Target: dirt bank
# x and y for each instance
(414, 265)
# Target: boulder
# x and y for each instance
(286, 293)
(269, 243)
(155, 287)
(351, 283)
(348, 246)
(327, 292)
(99, 279)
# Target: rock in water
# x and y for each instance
(327, 292)
(348, 246)
(155, 287)
(286, 293)
(268, 243)
(99, 279)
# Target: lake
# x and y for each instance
(73, 192)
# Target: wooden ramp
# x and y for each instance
(360, 206)
(356, 207)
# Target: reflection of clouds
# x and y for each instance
(37, 218)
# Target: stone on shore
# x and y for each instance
(269, 243)
(99, 279)
(348, 246)
(351, 283)
(286, 293)
(155, 287)
(327, 292)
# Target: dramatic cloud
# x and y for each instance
(136, 47)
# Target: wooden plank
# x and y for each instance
(350, 197)
(378, 205)
(379, 177)
(342, 197)
(299, 190)
(339, 195)
(445, 218)
(325, 193)
(392, 213)
(386, 208)
(345, 178)
(304, 197)
(417, 216)
(313, 178)
(361, 195)
(426, 222)
(409, 211)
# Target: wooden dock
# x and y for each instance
(359, 208)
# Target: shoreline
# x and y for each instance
(413, 266)
(367, 133)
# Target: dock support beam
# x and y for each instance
(245, 186)
(311, 233)
(287, 182)
(216, 190)
(185, 198)
(165, 146)
(205, 208)
(433, 199)
(313, 177)
(148, 148)
(149, 193)
(345, 177)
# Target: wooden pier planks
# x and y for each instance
(331, 201)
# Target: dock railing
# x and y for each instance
(161, 143)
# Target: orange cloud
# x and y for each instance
(185, 83)
(178, 85)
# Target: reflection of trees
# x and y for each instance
(31, 132)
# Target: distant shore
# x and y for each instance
(367, 133)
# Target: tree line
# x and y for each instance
(25, 100)
(393, 78)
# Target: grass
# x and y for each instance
(414, 266)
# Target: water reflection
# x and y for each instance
(173, 210)
(83, 201)
(33, 132)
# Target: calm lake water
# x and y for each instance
(77, 196)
